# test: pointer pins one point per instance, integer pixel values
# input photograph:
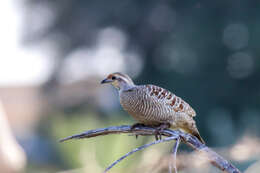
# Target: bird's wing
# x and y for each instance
(170, 99)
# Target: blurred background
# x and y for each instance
(55, 53)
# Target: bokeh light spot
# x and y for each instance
(162, 18)
(240, 65)
(107, 56)
(236, 36)
(180, 59)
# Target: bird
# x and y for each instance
(154, 106)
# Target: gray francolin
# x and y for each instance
(154, 106)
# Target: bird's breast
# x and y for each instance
(144, 108)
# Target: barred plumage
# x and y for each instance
(153, 105)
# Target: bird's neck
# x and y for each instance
(126, 87)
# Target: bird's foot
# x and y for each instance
(159, 129)
(136, 125)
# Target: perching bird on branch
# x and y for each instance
(154, 106)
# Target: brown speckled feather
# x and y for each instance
(153, 105)
(163, 95)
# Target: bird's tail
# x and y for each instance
(197, 134)
(193, 131)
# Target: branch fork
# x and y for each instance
(179, 136)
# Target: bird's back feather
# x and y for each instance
(153, 105)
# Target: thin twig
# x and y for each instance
(188, 139)
(138, 149)
(174, 156)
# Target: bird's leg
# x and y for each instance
(137, 125)
(159, 129)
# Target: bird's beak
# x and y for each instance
(106, 81)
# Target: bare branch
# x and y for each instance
(138, 149)
(174, 154)
(188, 139)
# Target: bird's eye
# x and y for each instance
(113, 78)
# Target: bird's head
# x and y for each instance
(119, 80)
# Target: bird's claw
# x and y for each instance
(159, 130)
(136, 125)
